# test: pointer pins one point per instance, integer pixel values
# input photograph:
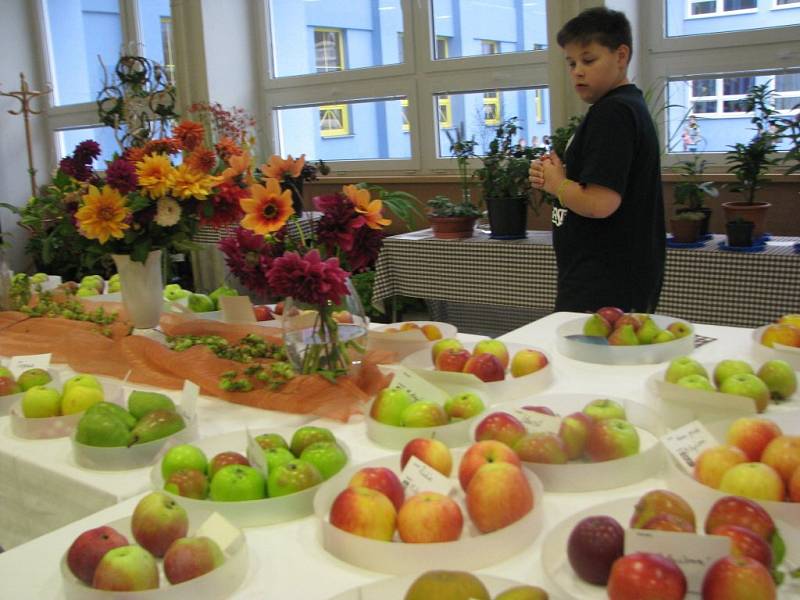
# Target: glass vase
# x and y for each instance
(328, 339)
(142, 288)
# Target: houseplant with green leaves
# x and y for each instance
(691, 193)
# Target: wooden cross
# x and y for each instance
(25, 95)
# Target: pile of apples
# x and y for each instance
(598, 433)
(461, 584)
(429, 330)
(312, 457)
(785, 331)
(775, 379)
(104, 559)
(488, 360)
(757, 461)
(631, 329)
(496, 494)
(93, 285)
(396, 407)
(595, 550)
(40, 401)
(10, 385)
(150, 416)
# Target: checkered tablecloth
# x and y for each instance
(491, 284)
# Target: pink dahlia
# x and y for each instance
(308, 278)
(121, 175)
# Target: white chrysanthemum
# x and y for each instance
(168, 212)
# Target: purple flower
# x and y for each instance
(367, 244)
(308, 278)
(86, 151)
(121, 175)
(338, 224)
(249, 256)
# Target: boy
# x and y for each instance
(608, 226)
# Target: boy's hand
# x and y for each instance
(546, 174)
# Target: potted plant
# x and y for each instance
(452, 220)
(740, 232)
(504, 182)
(685, 226)
(749, 162)
(690, 194)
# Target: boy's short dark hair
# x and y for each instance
(609, 28)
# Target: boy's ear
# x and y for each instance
(624, 53)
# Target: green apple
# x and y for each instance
(271, 440)
(604, 408)
(596, 326)
(291, 477)
(183, 456)
(444, 344)
(126, 568)
(40, 402)
(728, 367)
(78, 398)
(83, 380)
(696, 382)
(780, 378)
(86, 291)
(648, 331)
(747, 384)
(463, 406)
(39, 278)
(275, 457)
(307, 435)
(495, 347)
(663, 336)
(222, 290)
(235, 483)
(200, 303)
(424, 413)
(114, 285)
(388, 407)
(679, 329)
(173, 292)
(6, 372)
(683, 366)
(328, 457)
(31, 377)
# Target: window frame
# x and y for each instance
(344, 130)
(340, 49)
(719, 98)
(776, 6)
(719, 10)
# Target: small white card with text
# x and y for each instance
(687, 442)
(417, 387)
(418, 477)
(222, 531)
(255, 454)
(694, 554)
(20, 364)
(536, 422)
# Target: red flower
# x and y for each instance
(121, 175)
(366, 247)
(190, 134)
(249, 256)
(226, 205)
(308, 278)
(339, 221)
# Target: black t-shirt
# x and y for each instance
(619, 260)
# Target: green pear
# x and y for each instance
(38, 278)
(114, 410)
(200, 303)
(596, 326)
(663, 337)
(156, 425)
(222, 290)
(102, 428)
(648, 331)
(174, 291)
(623, 336)
(140, 403)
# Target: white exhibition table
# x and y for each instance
(39, 483)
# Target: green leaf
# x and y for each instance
(140, 250)
(778, 548)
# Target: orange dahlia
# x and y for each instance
(267, 209)
(279, 168)
(370, 209)
(190, 134)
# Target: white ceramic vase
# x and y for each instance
(142, 288)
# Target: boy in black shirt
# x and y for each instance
(608, 226)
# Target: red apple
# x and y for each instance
(500, 426)
(610, 313)
(527, 361)
(738, 578)
(452, 359)
(158, 521)
(223, 459)
(781, 333)
(495, 347)
(498, 495)
(486, 367)
(574, 431)
(279, 308)
(432, 452)
(657, 502)
(262, 312)
(8, 386)
(481, 453)
(189, 483)
(752, 434)
(734, 510)
(191, 557)
(440, 345)
(611, 439)
(593, 546)
(364, 512)
(665, 522)
(746, 543)
(646, 576)
(89, 548)
(783, 455)
(631, 319)
(541, 447)
(429, 517)
(383, 480)
(712, 463)
(753, 480)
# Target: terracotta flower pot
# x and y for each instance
(685, 231)
(755, 213)
(452, 228)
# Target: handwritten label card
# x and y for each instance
(416, 386)
(418, 477)
(222, 531)
(687, 442)
(237, 309)
(20, 364)
(255, 454)
(536, 422)
(189, 395)
(694, 554)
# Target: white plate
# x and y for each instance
(404, 343)
(622, 355)
(511, 388)
(566, 582)
(765, 353)
(578, 476)
(472, 551)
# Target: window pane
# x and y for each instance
(737, 85)
(703, 87)
(323, 36)
(157, 33)
(480, 112)
(718, 16)
(80, 30)
(67, 140)
(477, 27)
(347, 131)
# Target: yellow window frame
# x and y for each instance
(492, 45)
(491, 99)
(339, 46)
(404, 114)
(344, 121)
(445, 109)
(445, 47)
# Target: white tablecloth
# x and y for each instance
(288, 560)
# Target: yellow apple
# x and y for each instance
(78, 398)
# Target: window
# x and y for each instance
(166, 43)
(328, 50)
(704, 17)
(489, 47)
(491, 108)
(787, 92)
(442, 48)
(445, 113)
(404, 114)
(705, 8)
(786, 3)
(719, 96)
(401, 53)
(334, 120)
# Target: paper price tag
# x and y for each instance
(189, 395)
(20, 364)
(418, 477)
(255, 454)
(687, 442)
(222, 531)
(536, 422)
(416, 386)
(237, 309)
(694, 554)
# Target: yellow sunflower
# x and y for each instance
(370, 209)
(155, 174)
(190, 183)
(103, 214)
(267, 209)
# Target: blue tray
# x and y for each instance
(755, 248)
(797, 247)
(671, 243)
